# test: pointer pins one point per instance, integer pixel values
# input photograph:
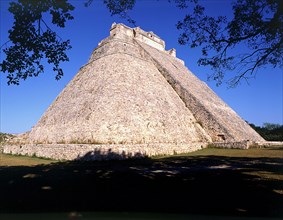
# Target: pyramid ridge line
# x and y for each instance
(182, 87)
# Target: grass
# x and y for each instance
(254, 152)
(13, 160)
(209, 182)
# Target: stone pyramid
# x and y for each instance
(133, 92)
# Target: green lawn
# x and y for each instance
(210, 182)
(11, 160)
(271, 152)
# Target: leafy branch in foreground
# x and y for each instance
(32, 39)
(257, 26)
(252, 39)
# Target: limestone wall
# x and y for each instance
(113, 45)
(215, 116)
(99, 152)
(232, 145)
(149, 38)
(247, 144)
(131, 99)
(118, 97)
(123, 32)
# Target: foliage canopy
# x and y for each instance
(32, 39)
(270, 131)
(256, 25)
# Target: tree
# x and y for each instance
(257, 25)
(270, 131)
(118, 7)
(32, 39)
(271, 126)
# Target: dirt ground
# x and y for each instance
(209, 183)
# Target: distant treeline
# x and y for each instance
(269, 131)
(4, 137)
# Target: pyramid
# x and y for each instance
(136, 96)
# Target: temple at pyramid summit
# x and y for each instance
(133, 98)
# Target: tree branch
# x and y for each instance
(250, 55)
(235, 81)
(5, 44)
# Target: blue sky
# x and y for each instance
(23, 105)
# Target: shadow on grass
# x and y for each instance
(206, 185)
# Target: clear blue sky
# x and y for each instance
(23, 105)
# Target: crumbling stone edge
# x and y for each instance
(246, 144)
